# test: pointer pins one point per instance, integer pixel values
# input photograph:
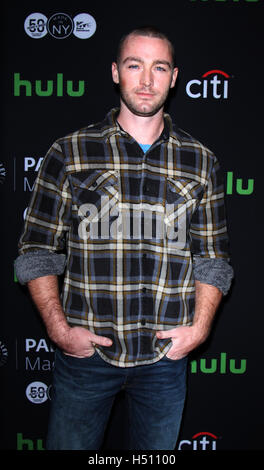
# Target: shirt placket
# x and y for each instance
(145, 289)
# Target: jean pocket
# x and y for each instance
(169, 359)
(175, 360)
(69, 357)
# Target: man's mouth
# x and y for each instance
(145, 94)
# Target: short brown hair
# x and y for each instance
(147, 31)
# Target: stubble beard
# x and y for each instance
(138, 110)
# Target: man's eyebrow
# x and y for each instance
(132, 58)
(164, 62)
(138, 59)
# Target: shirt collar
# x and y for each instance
(169, 130)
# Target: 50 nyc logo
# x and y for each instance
(60, 25)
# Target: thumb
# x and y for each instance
(102, 340)
(163, 334)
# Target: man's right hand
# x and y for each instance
(80, 342)
(75, 341)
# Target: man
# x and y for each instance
(137, 205)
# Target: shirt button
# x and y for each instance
(94, 184)
(144, 289)
(143, 321)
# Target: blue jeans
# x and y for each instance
(83, 393)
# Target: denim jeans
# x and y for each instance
(83, 393)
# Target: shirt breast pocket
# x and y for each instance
(183, 190)
(95, 195)
(95, 187)
(182, 198)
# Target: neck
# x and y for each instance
(144, 129)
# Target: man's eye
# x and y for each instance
(133, 66)
(161, 69)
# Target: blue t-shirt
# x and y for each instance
(145, 147)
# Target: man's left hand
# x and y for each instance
(184, 340)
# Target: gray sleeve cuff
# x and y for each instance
(38, 263)
(214, 271)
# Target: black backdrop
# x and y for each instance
(219, 51)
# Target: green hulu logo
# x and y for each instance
(28, 444)
(222, 366)
(239, 186)
(56, 87)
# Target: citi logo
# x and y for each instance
(200, 441)
(3, 354)
(213, 84)
(2, 173)
(58, 87)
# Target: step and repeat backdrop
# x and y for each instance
(56, 78)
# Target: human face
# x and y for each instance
(145, 74)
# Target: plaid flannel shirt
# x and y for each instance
(127, 229)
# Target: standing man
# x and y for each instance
(131, 211)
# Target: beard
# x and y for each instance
(146, 108)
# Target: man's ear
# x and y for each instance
(115, 73)
(174, 77)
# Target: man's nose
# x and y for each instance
(146, 78)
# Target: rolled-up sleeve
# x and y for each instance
(210, 241)
(47, 222)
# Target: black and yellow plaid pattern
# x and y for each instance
(128, 280)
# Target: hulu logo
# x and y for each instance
(239, 186)
(56, 87)
(28, 444)
(221, 365)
